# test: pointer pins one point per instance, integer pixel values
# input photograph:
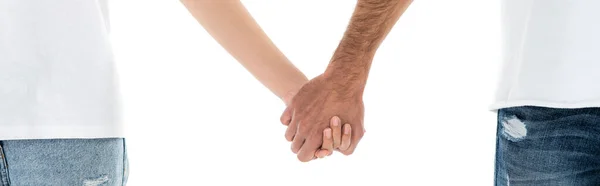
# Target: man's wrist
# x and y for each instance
(348, 70)
(346, 82)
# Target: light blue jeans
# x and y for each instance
(63, 162)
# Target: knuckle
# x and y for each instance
(315, 134)
(303, 129)
(360, 134)
(300, 132)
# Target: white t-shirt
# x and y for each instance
(551, 54)
(57, 76)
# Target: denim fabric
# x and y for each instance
(64, 162)
(539, 146)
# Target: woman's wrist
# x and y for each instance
(291, 91)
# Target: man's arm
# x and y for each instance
(339, 90)
(233, 27)
(371, 22)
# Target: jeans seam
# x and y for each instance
(496, 171)
(4, 167)
(499, 167)
(125, 166)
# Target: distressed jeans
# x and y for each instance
(63, 162)
(538, 146)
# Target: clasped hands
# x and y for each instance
(315, 113)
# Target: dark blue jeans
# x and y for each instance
(548, 146)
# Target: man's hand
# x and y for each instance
(339, 90)
(312, 107)
(335, 137)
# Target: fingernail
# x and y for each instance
(328, 133)
(336, 121)
(347, 129)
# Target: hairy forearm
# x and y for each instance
(230, 24)
(371, 21)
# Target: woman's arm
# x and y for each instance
(233, 27)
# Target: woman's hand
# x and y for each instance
(335, 137)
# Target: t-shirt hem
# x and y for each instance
(500, 105)
(59, 132)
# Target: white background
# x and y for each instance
(194, 116)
